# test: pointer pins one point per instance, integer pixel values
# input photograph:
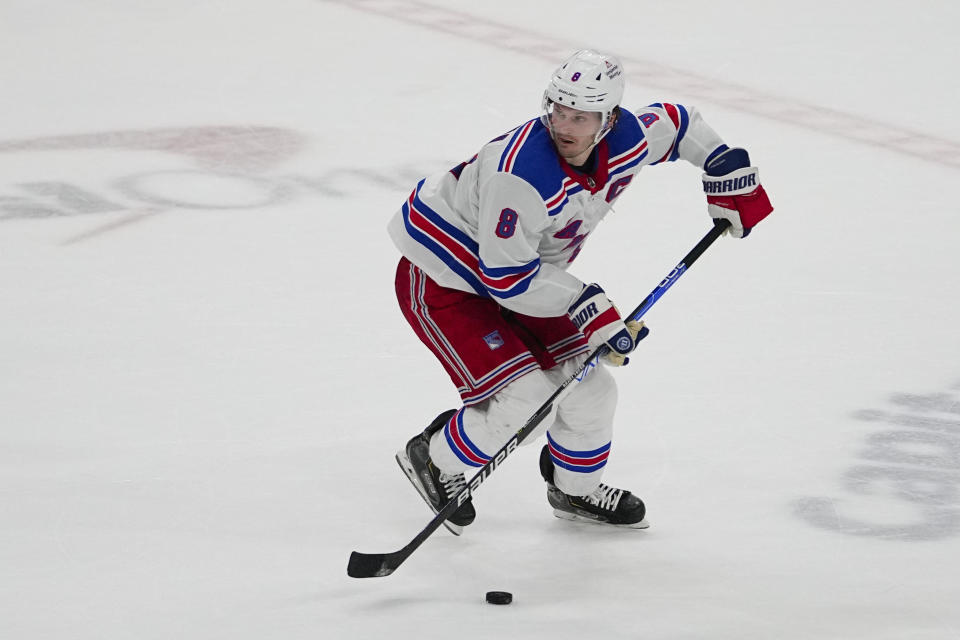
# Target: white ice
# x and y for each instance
(204, 374)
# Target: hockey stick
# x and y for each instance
(375, 565)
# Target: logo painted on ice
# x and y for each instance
(214, 168)
(494, 340)
(912, 462)
(224, 163)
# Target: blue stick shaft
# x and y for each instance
(679, 270)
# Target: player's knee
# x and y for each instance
(592, 401)
(513, 405)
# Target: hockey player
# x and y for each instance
(483, 282)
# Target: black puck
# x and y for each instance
(499, 597)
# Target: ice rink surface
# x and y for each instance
(204, 374)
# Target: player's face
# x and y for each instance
(573, 132)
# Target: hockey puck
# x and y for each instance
(499, 597)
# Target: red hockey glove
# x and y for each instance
(734, 191)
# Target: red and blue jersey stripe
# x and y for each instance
(556, 203)
(506, 282)
(628, 160)
(454, 247)
(508, 159)
(461, 253)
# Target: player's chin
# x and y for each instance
(572, 155)
(569, 149)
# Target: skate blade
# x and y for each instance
(573, 517)
(408, 471)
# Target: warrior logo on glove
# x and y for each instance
(734, 191)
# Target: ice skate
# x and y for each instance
(434, 486)
(605, 505)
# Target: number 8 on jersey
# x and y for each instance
(507, 223)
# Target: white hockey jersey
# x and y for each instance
(507, 223)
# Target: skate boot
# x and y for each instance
(436, 487)
(606, 505)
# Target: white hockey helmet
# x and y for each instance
(588, 81)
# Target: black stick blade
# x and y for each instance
(368, 565)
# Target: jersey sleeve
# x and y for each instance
(675, 132)
(512, 219)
